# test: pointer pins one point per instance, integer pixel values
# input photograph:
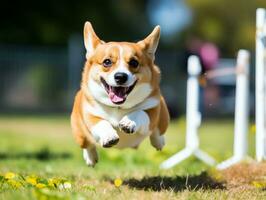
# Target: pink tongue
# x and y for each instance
(114, 98)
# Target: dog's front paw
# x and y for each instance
(105, 134)
(109, 140)
(127, 125)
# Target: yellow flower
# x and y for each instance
(40, 185)
(118, 182)
(53, 182)
(31, 180)
(14, 183)
(258, 184)
(10, 175)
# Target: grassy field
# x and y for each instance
(43, 147)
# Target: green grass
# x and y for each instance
(45, 147)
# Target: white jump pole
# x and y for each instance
(260, 85)
(193, 119)
(241, 110)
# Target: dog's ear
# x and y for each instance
(150, 43)
(91, 40)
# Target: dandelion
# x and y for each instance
(10, 175)
(53, 182)
(14, 183)
(118, 182)
(258, 184)
(31, 180)
(40, 185)
(18, 180)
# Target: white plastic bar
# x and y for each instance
(193, 116)
(241, 110)
(260, 86)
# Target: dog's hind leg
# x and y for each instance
(90, 156)
(89, 149)
(159, 122)
(82, 135)
(157, 140)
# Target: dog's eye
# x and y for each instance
(107, 63)
(133, 63)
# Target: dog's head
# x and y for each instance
(120, 73)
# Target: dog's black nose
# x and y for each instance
(120, 77)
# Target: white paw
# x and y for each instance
(90, 156)
(105, 134)
(157, 141)
(127, 125)
(109, 140)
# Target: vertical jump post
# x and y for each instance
(241, 110)
(193, 119)
(260, 84)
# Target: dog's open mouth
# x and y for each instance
(117, 94)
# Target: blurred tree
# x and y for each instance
(52, 22)
(228, 23)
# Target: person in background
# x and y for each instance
(208, 54)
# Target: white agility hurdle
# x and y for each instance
(260, 84)
(193, 115)
(193, 119)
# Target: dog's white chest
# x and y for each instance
(115, 114)
(131, 125)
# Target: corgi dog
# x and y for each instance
(119, 102)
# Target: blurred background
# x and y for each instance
(42, 52)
